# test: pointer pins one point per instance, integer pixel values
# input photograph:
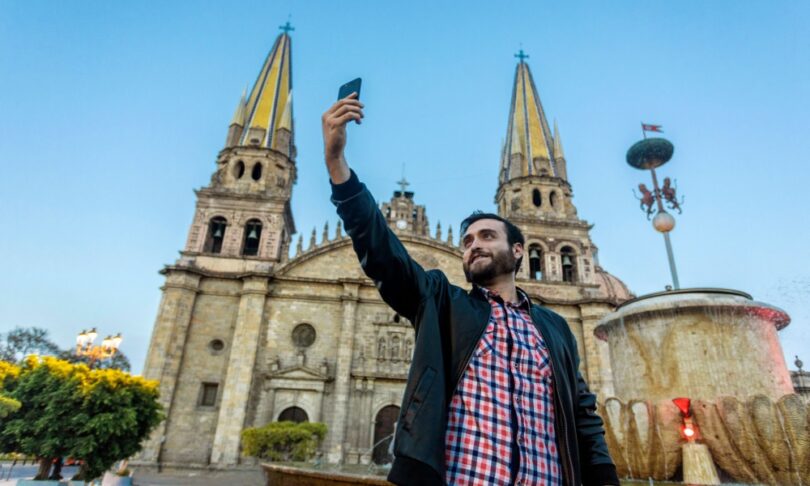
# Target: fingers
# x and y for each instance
(348, 109)
(341, 113)
(342, 120)
(348, 101)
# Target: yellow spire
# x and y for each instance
(239, 113)
(286, 115)
(528, 132)
(265, 107)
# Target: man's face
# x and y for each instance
(487, 253)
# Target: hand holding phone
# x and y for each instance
(347, 108)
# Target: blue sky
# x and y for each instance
(112, 112)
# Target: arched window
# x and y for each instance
(552, 198)
(216, 235)
(256, 173)
(239, 169)
(253, 234)
(293, 414)
(568, 264)
(535, 263)
(384, 434)
(536, 198)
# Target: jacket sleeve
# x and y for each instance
(402, 282)
(596, 466)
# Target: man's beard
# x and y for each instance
(500, 263)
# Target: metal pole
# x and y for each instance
(671, 257)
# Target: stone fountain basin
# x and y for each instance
(696, 343)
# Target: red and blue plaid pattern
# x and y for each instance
(502, 413)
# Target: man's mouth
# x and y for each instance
(477, 257)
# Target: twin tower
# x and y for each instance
(249, 332)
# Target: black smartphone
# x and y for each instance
(352, 86)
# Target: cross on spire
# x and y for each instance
(521, 55)
(403, 184)
(286, 27)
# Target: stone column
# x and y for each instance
(343, 370)
(594, 355)
(166, 348)
(239, 377)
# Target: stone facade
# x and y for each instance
(246, 333)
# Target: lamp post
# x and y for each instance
(649, 154)
(106, 350)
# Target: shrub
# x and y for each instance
(284, 441)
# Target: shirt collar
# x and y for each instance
(523, 302)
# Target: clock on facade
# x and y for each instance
(402, 224)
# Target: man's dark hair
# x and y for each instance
(513, 233)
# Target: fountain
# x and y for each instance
(699, 377)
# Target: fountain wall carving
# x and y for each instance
(643, 438)
(759, 440)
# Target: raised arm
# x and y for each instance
(401, 281)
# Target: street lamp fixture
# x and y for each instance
(106, 350)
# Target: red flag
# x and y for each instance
(651, 128)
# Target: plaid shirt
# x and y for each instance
(500, 427)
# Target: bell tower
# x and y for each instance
(243, 219)
(205, 341)
(534, 192)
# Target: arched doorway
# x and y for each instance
(383, 434)
(293, 414)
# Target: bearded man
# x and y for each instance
(494, 395)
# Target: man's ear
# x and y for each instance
(517, 250)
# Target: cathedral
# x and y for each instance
(251, 331)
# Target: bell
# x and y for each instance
(566, 260)
(253, 235)
(218, 232)
(533, 253)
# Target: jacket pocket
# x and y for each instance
(486, 345)
(418, 397)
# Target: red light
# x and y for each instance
(689, 430)
(683, 405)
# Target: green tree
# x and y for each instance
(118, 412)
(284, 441)
(49, 393)
(98, 416)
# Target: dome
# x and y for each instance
(611, 288)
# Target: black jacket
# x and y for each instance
(448, 323)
